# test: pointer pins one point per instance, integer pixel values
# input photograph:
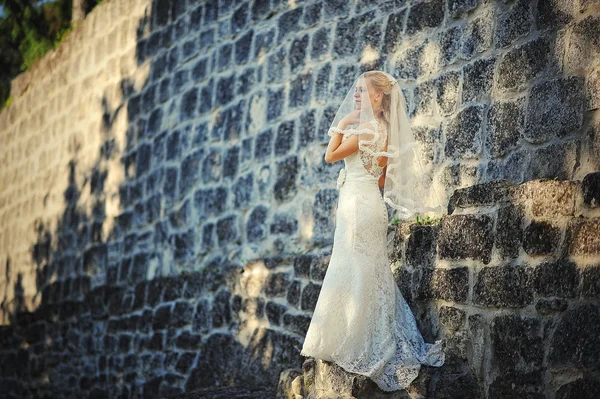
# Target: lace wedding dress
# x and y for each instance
(361, 320)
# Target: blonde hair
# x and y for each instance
(380, 81)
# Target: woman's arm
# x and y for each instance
(336, 150)
(381, 182)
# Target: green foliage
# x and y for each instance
(6, 103)
(428, 220)
(27, 32)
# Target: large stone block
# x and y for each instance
(555, 109)
(590, 188)
(310, 294)
(463, 133)
(541, 238)
(296, 323)
(478, 79)
(300, 91)
(509, 231)
(478, 35)
(425, 15)
(466, 236)
(256, 228)
(277, 284)
(556, 278)
(289, 22)
(576, 340)
(446, 284)
(321, 43)
(581, 388)
(504, 127)
(503, 286)
(522, 64)
(582, 236)
(516, 343)
(513, 23)
(554, 13)
(421, 246)
(452, 318)
(483, 194)
(518, 385)
(549, 198)
(448, 87)
(449, 45)
(298, 53)
(590, 287)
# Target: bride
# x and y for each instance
(361, 320)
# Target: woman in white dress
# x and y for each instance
(361, 321)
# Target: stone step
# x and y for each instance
(320, 379)
(227, 393)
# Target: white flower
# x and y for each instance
(341, 178)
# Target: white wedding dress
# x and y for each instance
(361, 321)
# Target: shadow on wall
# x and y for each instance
(92, 268)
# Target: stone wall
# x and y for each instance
(168, 145)
(511, 281)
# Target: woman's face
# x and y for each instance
(359, 91)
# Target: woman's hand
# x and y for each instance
(349, 119)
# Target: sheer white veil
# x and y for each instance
(408, 188)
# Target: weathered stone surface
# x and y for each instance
(226, 106)
(556, 278)
(513, 23)
(421, 246)
(504, 127)
(549, 199)
(310, 295)
(466, 236)
(463, 133)
(478, 35)
(541, 238)
(517, 343)
(582, 236)
(453, 385)
(584, 388)
(452, 318)
(554, 12)
(503, 286)
(548, 306)
(484, 194)
(509, 231)
(218, 365)
(274, 312)
(447, 284)
(276, 284)
(318, 268)
(256, 228)
(448, 86)
(293, 295)
(522, 64)
(296, 323)
(459, 7)
(478, 79)
(324, 207)
(590, 187)
(518, 385)
(555, 109)
(285, 185)
(590, 286)
(576, 340)
(425, 15)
